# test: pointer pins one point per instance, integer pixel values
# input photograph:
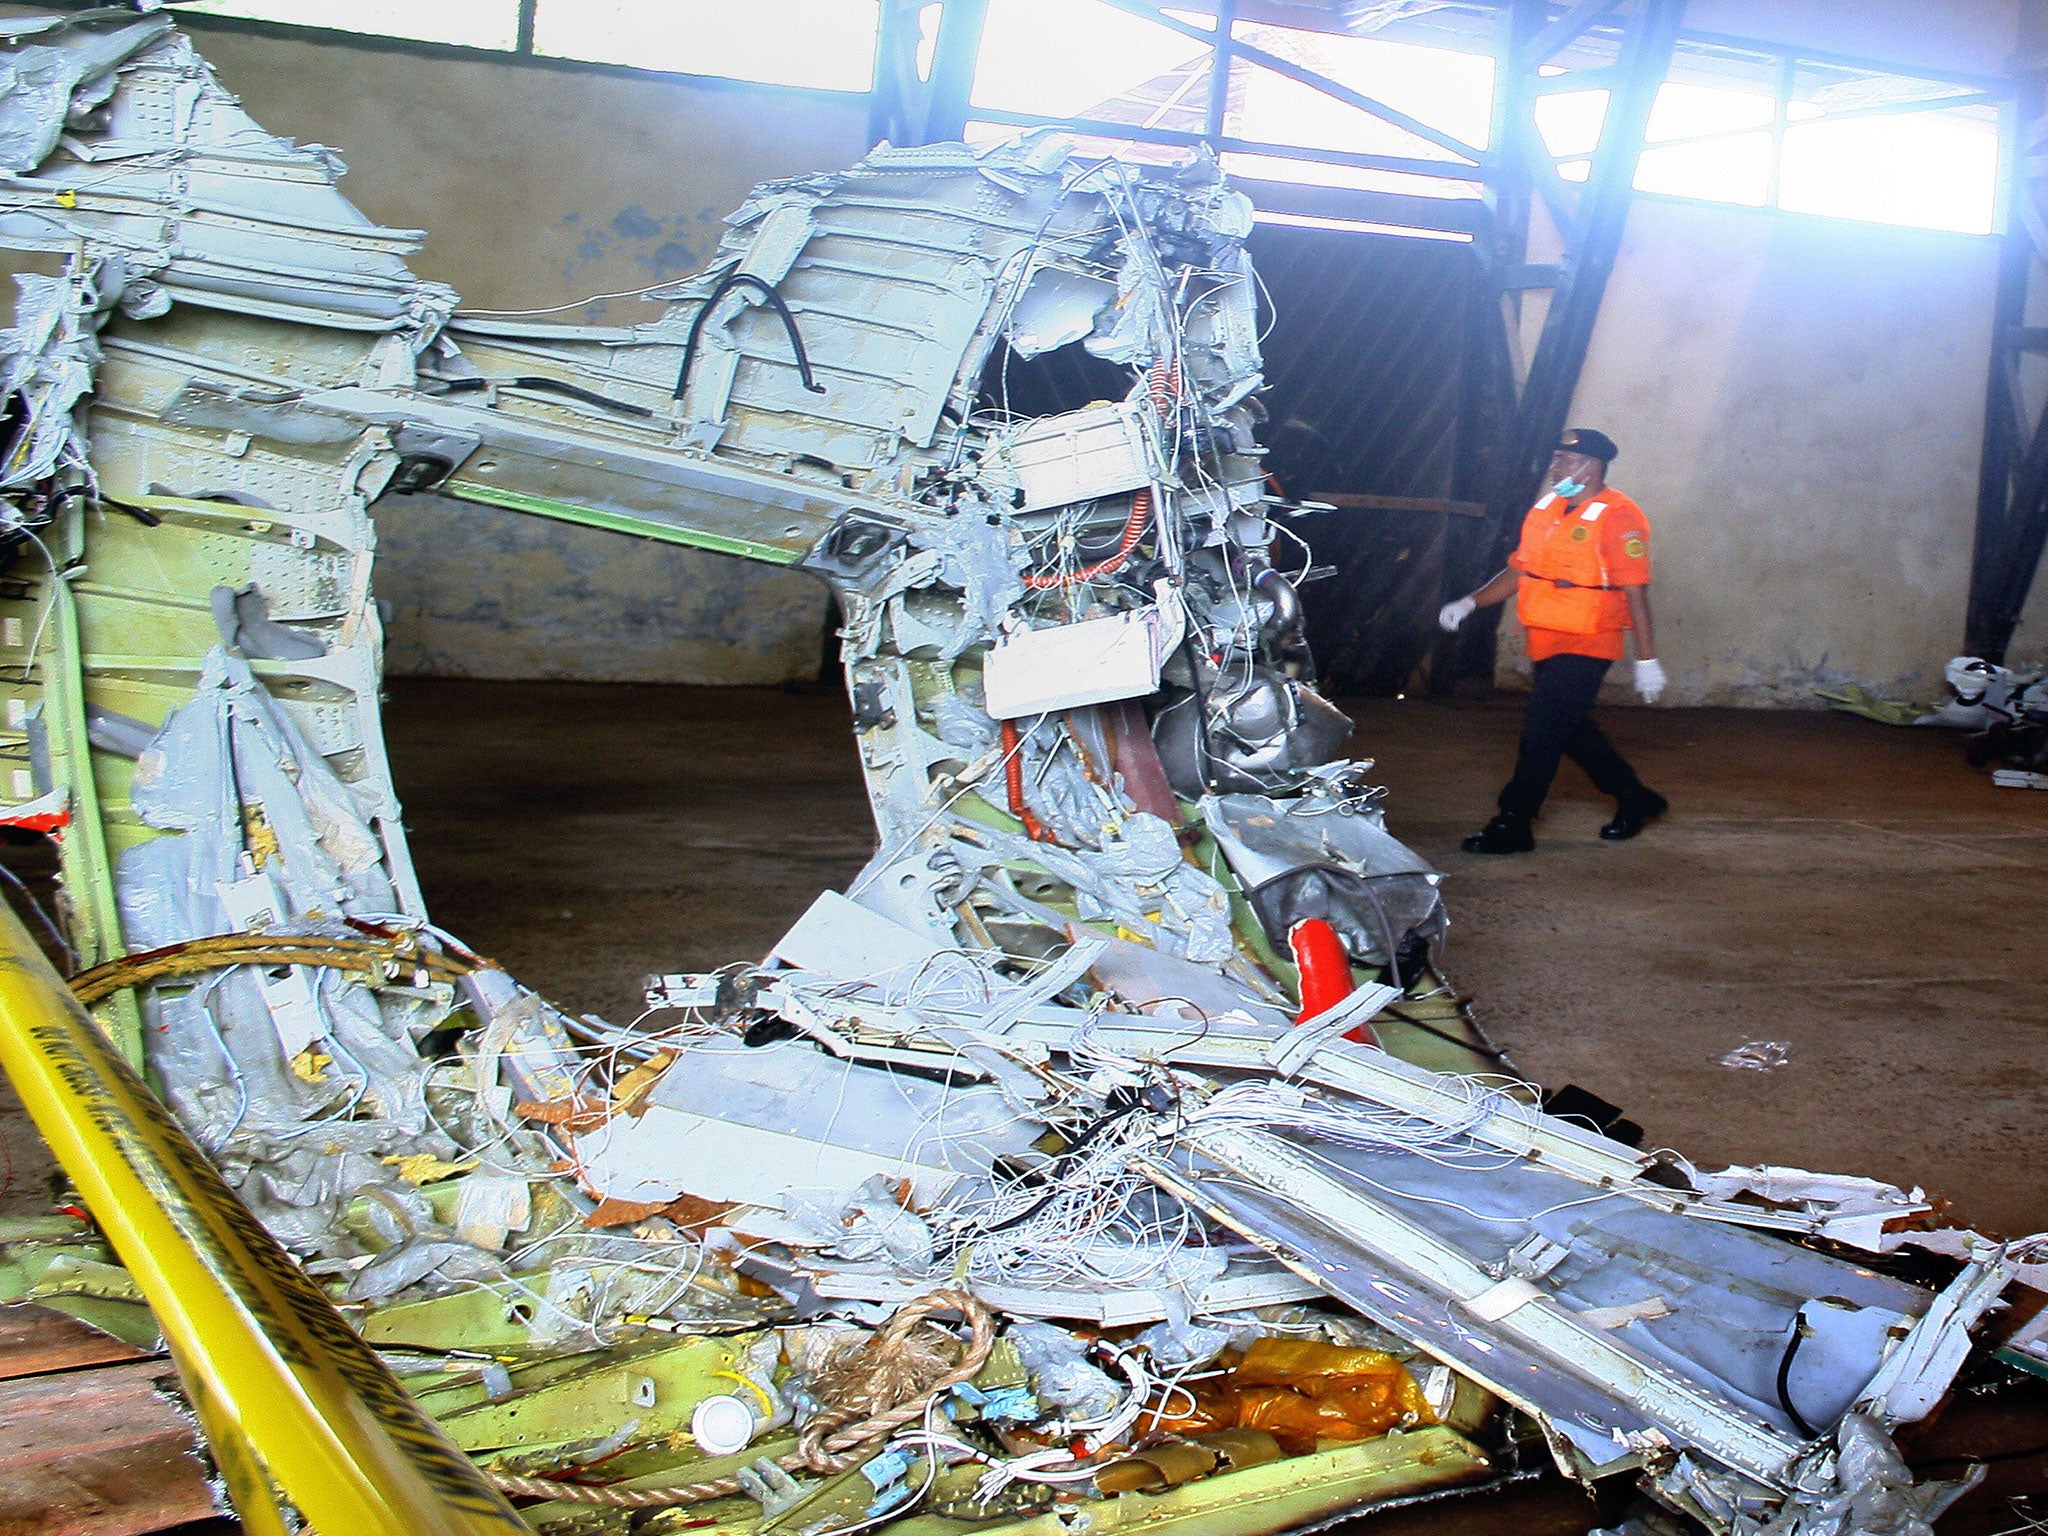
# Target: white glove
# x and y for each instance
(1650, 679)
(1451, 615)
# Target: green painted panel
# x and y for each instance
(618, 522)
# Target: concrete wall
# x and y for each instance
(1799, 404)
(2029, 649)
(539, 187)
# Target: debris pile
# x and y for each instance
(1112, 1149)
(2006, 713)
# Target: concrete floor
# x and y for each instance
(1851, 889)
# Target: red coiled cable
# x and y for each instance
(1134, 528)
(1013, 776)
(1164, 382)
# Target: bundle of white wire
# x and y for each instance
(1358, 1122)
(1094, 1223)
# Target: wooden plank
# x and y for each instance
(96, 1453)
(35, 1341)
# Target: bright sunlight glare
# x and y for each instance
(1927, 169)
(1062, 58)
(825, 44)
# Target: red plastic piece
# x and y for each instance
(49, 813)
(55, 821)
(1325, 973)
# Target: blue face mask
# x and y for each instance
(1568, 487)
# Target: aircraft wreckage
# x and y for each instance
(1109, 1154)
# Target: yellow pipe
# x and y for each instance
(286, 1390)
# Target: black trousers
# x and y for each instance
(1558, 725)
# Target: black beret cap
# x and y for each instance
(1596, 445)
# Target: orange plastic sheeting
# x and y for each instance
(1304, 1394)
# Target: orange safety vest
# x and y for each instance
(1567, 582)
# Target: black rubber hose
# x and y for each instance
(1079, 1145)
(545, 385)
(1785, 1381)
(726, 284)
(577, 392)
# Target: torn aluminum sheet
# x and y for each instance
(1601, 1303)
(1087, 918)
(44, 89)
(46, 364)
(137, 149)
(1648, 1327)
(1757, 1056)
(1858, 1210)
(1859, 1484)
(1327, 856)
(754, 1126)
(269, 1062)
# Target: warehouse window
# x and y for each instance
(1886, 147)
(1086, 58)
(1738, 122)
(1145, 89)
(1806, 138)
(824, 44)
(1438, 87)
(1359, 227)
(466, 23)
(1711, 142)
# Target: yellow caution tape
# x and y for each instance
(286, 1391)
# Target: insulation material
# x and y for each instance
(750, 1125)
(263, 834)
(46, 364)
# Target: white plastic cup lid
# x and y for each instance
(722, 1425)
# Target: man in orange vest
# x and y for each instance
(1580, 579)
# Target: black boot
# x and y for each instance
(1633, 814)
(1503, 834)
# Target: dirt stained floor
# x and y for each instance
(1854, 891)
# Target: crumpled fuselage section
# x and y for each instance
(1120, 847)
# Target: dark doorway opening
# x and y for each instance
(1369, 374)
(1368, 371)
